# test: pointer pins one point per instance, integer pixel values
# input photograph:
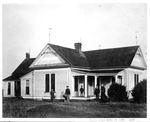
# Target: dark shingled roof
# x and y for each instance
(21, 70)
(104, 58)
(72, 56)
(111, 58)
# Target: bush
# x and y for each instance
(117, 92)
(139, 92)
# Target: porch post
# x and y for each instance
(85, 76)
(95, 81)
(110, 79)
(100, 82)
(116, 77)
(73, 83)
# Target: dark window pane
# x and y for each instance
(137, 78)
(120, 79)
(27, 90)
(76, 83)
(53, 81)
(47, 83)
(134, 79)
(9, 88)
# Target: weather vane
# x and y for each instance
(49, 33)
(136, 36)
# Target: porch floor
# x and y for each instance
(82, 98)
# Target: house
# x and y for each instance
(57, 67)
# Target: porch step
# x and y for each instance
(82, 98)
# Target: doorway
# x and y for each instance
(78, 82)
(17, 88)
(91, 85)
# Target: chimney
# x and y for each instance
(78, 46)
(27, 55)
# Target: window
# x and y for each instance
(49, 82)
(9, 88)
(136, 79)
(120, 79)
(53, 81)
(46, 82)
(76, 83)
(27, 87)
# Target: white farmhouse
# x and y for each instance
(57, 67)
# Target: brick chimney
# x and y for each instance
(27, 55)
(78, 46)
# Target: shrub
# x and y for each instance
(139, 92)
(117, 92)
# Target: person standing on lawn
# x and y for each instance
(81, 91)
(96, 92)
(67, 93)
(103, 96)
(52, 95)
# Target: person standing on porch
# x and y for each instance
(96, 92)
(67, 93)
(81, 91)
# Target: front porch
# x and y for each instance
(88, 82)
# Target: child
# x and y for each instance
(52, 95)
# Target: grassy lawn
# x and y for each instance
(75, 109)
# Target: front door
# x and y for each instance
(17, 88)
(90, 85)
(79, 81)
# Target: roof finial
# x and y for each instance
(136, 32)
(49, 33)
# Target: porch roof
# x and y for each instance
(99, 71)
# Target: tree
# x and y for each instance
(139, 92)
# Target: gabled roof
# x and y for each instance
(111, 58)
(21, 70)
(91, 60)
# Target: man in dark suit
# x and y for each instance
(96, 92)
(67, 93)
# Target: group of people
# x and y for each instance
(96, 93)
(66, 95)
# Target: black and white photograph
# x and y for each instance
(70, 59)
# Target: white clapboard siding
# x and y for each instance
(131, 73)
(5, 89)
(23, 86)
(61, 81)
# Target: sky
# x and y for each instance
(96, 25)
